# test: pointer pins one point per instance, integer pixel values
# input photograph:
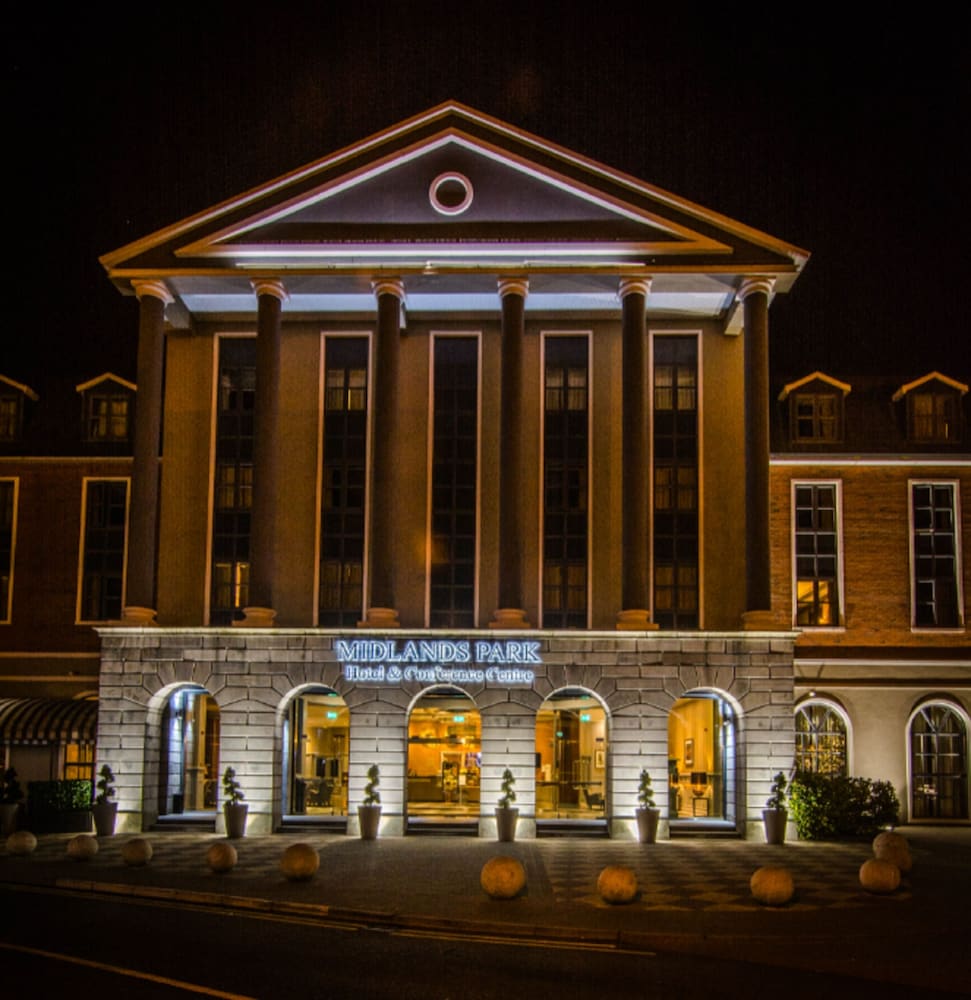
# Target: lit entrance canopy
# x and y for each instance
(450, 201)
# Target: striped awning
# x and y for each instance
(48, 720)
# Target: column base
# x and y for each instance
(257, 618)
(635, 620)
(758, 621)
(511, 618)
(133, 616)
(380, 618)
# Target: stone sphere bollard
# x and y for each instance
(221, 857)
(772, 886)
(299, 862)
(137, 852)
(83, 847)
(22, 842)
(893, 847)
(879, 876)
(502, 877)
(617, 884)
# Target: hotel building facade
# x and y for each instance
(455, 452)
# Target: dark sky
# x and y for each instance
(849, 141)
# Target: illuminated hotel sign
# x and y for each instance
(438, 661)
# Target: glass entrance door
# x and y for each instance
(571, 757)
(190, 753)
(701, 759)
(316, 741)
(444, 756)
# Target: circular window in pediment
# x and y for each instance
(450, 193)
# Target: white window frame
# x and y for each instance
(6, 613)
(546, 335)
(86, 481)
(840, 625)
(955, 485)
(833, 706)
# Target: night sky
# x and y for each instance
(848, 141)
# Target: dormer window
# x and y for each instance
(12, 396)
(107, 409)
(815, 409)
(932, 417)
(933, 409)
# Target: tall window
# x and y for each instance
(103, 549)
(8, 502)
(676, 481)
(455, 468)
(565, 449)
(820, 740)
(939, 764)
(344, 482)
(816, 546)
(934, 556)
(233, 486)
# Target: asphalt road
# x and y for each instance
(57, 944)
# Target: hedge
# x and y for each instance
(826, 807)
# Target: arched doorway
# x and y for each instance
(315, 755)
(444, 758)
(189, 757)
(571, 757)
(938, 763)
(702, 736)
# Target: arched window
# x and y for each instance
(938, 763)
(820, 739)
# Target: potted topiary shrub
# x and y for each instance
(775, 815)
(11, 795)
(104, 811)
(369, 811)
(234, 808)
(506, 815)
(647, 813)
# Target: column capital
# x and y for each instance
(759, 283)
(270, 286)
(628, 286)
(513, 286)
(157, 289)
(389, 286)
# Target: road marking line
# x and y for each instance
(131, 973)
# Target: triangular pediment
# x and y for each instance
(448, 202)
(453, 194)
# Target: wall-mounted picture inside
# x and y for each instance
(689, 753)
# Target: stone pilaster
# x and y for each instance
(754, 296)
(510, 613)
(270, 297)
(139, 608)
(381, 611)
(635, 588)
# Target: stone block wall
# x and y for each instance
(253, 673)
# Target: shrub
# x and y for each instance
(59, 796)
(372, 796)
(508, 793)
(232, 790)
(645, 794)
(827, 807)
